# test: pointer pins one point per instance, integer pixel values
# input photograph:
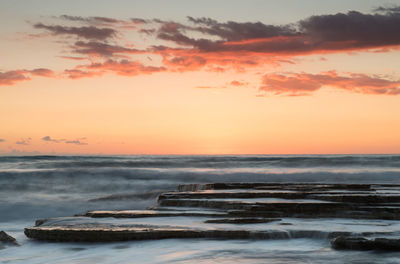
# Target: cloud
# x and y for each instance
(100, 49)
(78, 74)
(91, 32)
(294, 84)
(323, 33)
(42, 72)
(76, 142)
(150, 31)
(96, 19)
(2, 140)
(390, 9)
(123, 67)
(353, 30)
(210, 45)
(238, 83)
(25, 142)
(235, 31)
(185, 63)
(11, 77)
(73, 58)
(49, 139)
(241, 45)
(139, 21)
(214, 41)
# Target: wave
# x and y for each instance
(102, 180)
(291, 161)
(42, 186)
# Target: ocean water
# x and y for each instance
(51, 186)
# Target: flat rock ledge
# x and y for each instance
(242, 220)
(361, 243)
(246, 211)
(114, 233)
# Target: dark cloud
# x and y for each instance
(295, 84)
(74, 18)
(140, 21)
(78, 74)
(394, 9)
(323, 33)
(357, 29)
(42, 72)
(2, 140)
(91, 32)
(26, 141)
(317, 34)
(185, 63)
(95, 19)
(73, 58)
(49, 139)
(105, 20)
(235, 31)
(101, 49)
(150, 31)
(76, 142)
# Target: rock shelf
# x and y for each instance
(361, 243)
(247, 211)
(7, 239)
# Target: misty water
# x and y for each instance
(53, 186)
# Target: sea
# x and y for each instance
(37, 187)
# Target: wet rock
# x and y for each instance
(361, 243)
(134, 196)
(239, 203)
(272, 186)
(7, 239)
(63, 234)
(39, 222)
(124, 233)
(232, 195)
(242, 220)
(148, 213)
(387, 244)
(358, 198)
(258, 213)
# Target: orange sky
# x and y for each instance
(213, 88)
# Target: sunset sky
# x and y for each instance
(199, 77)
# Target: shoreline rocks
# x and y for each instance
(7, 239)
(361, 243)
(247, 211)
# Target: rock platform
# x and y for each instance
(355, 216)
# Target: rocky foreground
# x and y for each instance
(353, 216)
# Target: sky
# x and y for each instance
(199, 77)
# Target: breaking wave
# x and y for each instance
(42, 186)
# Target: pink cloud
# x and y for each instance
(294, 84)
